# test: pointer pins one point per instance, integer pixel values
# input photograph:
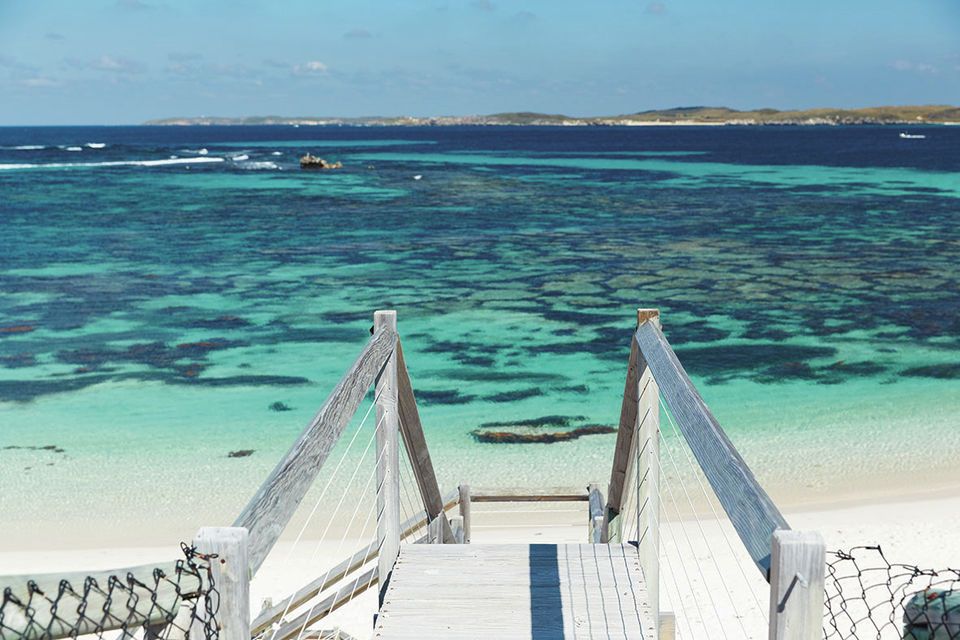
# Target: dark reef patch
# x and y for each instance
(18, 361)
(510, 437)
(241, 453)
(513, 396)
(543, 421)
(279, 406)
(47, 447)
(444, 396)
(761, 362)
(938, 371)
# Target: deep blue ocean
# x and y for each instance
(169, 295)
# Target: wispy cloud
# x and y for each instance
(312, 68)
(915, 67)
(357, 34)
(117, 65)
(656, 8)
(51, 35)
(134, 5)
(39, 82)
(525, 16)
(484, 5)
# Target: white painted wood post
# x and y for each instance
(231, 578)
(456, 525)
(647, 443)
(797, 567)
(388, 457)
(464, 490)
(594, 514)
(668, 626)
(435, 531)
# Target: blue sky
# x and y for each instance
(125, 61)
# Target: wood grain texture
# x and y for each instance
(416, 445)
(518, 496)
(648, 481)
(337, 573)
(622, 450)
(510, 591)
(267, 513)
(135, 610)
(753, 514)
(230, 570)
(796, 585)
(388, 455)
(464, 493)
(595, 514)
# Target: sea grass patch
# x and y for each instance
(543, 430)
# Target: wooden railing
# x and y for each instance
(793, 562)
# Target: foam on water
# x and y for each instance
(240, 158)
(96, 145)
(114, 163)
(26, 147)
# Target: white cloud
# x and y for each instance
(657, 8)
(39, 82)
(916, 67)
(116, 65)
(312, 68)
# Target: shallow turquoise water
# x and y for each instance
(150, 315)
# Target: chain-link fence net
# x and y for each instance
(176, 601)
(868, 598)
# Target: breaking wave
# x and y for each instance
(116, 163)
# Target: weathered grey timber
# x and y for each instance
(647, 446)
(510, 591)
(796, 585)
(595, 515)
(230, 570)
(267, 513)
(464, 493)
(141, 609)
(753, 514)
(622, 450)
(388, 455)
(329, 604)
(518, 496)
(416, 446)
(335, 574)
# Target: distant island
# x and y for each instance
(929, 114)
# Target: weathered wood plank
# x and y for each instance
(388, 457)
(336, 573)
(648, 479)
(595, 514)
(516, 591)
(139, 609)
(267, 513)
(622, 450)
(753, 514)
(796, 585)
(326, 606)
(231, 576)
(416, 445)
(529, 497)
(464, 493)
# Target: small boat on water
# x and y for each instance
(313, 162)
(912, 136)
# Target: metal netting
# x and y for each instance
(868, 597)
(161, 605)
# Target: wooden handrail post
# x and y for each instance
(388, 458)
(797, 567)
(464, 490)
(647, 447)
(231, 578)
(594, 514)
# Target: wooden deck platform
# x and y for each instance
(536, 591)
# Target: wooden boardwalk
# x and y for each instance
(536, 591)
